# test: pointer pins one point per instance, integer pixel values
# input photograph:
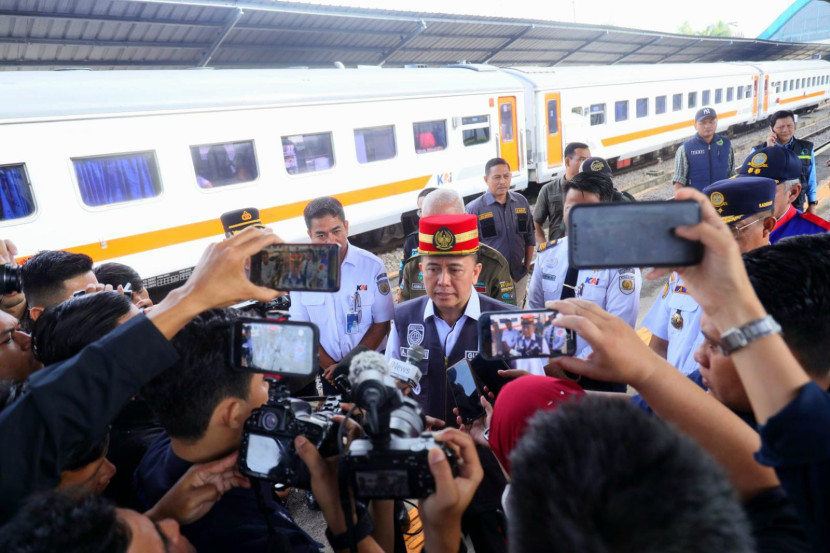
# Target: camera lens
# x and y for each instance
(10, 279)
(269, 420)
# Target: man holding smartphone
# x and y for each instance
(358, 313)
(782, 135)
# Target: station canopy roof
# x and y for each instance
(122, 34)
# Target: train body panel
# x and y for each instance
(190, 145)
(374, 152)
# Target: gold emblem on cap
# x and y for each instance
(245, 216)
(596, 165)
(443, 239)
(758, 161)
(717, 199)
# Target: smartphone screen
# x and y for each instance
(284, 348)
(300, 267)
(523, 334)
(632, 234)
(465, 391)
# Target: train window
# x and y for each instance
(16, 198)
(113, 179)
(375, 144)
(748, 93)
(307, 153)
(814, 81)
(553, 116)
(718, 95)
(430, 136)
(785, 86)
(597, 114)
(642, 107)
(480, 134)
(740, 93)
(705, 97)
(224, 164)
(506, 122)
(660, 105)
(791, 84)
(730, 94)
(677, 102)
(621, 110)
(691, 102)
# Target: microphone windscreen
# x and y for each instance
(367, 360)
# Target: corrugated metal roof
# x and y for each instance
(45, 34)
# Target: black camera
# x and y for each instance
(267, 448)
(10, 279)
(392, 463)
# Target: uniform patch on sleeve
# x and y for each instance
(383, 284)
(627, 285)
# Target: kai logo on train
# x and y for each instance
(443, 178)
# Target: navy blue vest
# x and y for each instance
(707, 162)
(435, 398)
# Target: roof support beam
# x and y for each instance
(580, 47)
(684, 47)
(501, 48)
(384, 56)
(637, 49)
(231, 22)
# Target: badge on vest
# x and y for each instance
(470, 355)
(415, 334)
(405, 353)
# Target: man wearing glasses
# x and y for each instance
(746, 205)
(706, 157)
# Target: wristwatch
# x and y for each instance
(812, 203)
(738, 337)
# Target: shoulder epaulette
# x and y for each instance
(546, 245)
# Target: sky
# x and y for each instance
(745, 16)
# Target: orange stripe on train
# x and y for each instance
(657, 130)
(137, 243)
(797, 98)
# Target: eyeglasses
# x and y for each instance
(736, 231)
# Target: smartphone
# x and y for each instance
(284, 348)
(486, 372)
(465, 391)
(300, 267)
(512, 335)
(632, 234)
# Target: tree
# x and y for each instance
(715, 29)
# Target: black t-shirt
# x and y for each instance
(775, 524)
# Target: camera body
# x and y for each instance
(267, 448)
(10, 280)
(398, 470)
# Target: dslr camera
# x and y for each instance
(267, 448)
(10, 280)
(392, 462)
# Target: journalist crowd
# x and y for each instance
(128, 426)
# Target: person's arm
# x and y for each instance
(540, 214)
(535, 292)
(722, 288)
(540, 233)
(75, 400)
(659, 346)
(529, 249)
(375, 335)
(681, 168)
(620, 356)
(812, 187)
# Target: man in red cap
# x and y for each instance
(445, 324)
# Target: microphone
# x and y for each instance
(372, 389)
(407, 371)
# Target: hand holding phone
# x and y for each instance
(299, 267)
(465, 391)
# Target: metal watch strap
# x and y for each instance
(738, 337)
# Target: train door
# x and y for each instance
(755, 95)
(766, 94)
(508, 133)
(554, 130)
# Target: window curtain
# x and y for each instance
(15, 196)
(113, 180)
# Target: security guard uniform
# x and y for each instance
(675, 317)
(494, 279)
(615, 290)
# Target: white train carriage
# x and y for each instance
(137, 166)
(628, 110)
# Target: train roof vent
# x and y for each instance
(482, 67)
